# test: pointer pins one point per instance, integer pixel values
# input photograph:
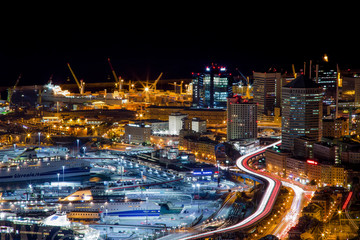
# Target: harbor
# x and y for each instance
(115, 195)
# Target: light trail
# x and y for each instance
(267, 201)
(347, 201)
(292, 216)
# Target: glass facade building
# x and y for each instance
(211, 88)
(301, 111)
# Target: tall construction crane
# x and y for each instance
(11, 91)
(248, 86)
(118, 83)
(81, 84)
(156, 81)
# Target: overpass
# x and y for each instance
(265, 206)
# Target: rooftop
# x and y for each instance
(302, 81)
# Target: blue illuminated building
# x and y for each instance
(212, 87)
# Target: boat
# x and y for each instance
(31, 166)
(83, 203)
(54, 227)
(53, 93)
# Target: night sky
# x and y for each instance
(176, 40)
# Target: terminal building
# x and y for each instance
(137, 133)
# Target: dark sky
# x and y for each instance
(173, 39)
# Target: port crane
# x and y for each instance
(175, 84)
(118, 83)
(11, 91)
(81, 84)
(293, 69)
(147, 87)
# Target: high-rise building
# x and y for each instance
(266, 87)
(241, 119)
(328, 77)
(301, 111)
(211, 88)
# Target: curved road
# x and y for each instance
(267, 201)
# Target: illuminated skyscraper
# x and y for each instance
(241, 117)
(211, 88)
(301, 111)
(264, 92)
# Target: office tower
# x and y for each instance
(211, 88)
(198, 90)
(301, 111)
(266, 87)
(241, 119)
(328, 77)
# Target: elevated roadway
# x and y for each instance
(265, 206)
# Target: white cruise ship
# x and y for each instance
(83, 203)
(28, 166)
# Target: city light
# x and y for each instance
(180, 147)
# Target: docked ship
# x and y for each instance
(83, 204)
(55, 227)
(53, 93)
(32, 166)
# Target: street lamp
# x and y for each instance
(198, 187)
(39, 133)
(58, 175)
(63, 168)
(77, 142)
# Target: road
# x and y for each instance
(290, 219)
(266, 204)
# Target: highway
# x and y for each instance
(265, 205)
(290, 219)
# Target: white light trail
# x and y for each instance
(292, 216)
(267, 200)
